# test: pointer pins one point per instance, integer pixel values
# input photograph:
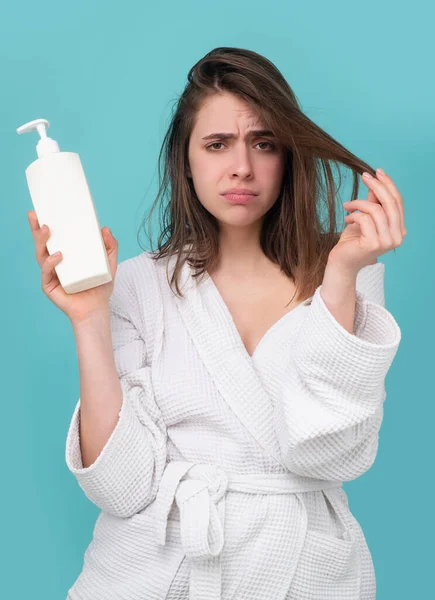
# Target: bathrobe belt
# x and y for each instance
(199, 490)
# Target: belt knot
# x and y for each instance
(199, 490)
(214, 477)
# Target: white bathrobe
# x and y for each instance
(223, 476)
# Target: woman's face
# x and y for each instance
(248, 161)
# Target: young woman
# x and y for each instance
(217, 421)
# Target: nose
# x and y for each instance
(241, 162)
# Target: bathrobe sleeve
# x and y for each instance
(125, 476)
(330, 408)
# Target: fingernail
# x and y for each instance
(367, 175)
(380, 171)
(56, 253)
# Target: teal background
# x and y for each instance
(106, 76)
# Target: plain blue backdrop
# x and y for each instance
(106, 76)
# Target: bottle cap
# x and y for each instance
(45, 145)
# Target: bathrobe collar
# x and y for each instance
(221, 349)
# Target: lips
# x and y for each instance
(239, 198)
(240, 191)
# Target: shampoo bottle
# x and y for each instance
(62, 200)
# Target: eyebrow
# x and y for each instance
(232, 136)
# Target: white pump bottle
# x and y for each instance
(62, 200)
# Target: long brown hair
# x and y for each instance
(293, 234)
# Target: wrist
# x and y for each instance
(340, 272)
(93, 320)
(339, 283)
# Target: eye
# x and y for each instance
(210, 146)
(214, 144)
(271, 146)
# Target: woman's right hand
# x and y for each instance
(82, 305)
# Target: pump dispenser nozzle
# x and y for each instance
(46, 145)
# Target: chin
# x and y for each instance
(238, 220)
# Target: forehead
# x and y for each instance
(223, 111)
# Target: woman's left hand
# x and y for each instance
(378, 228)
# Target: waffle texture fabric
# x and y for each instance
(223, 476)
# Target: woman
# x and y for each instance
(217, 422)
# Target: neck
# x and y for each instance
(240, 252)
